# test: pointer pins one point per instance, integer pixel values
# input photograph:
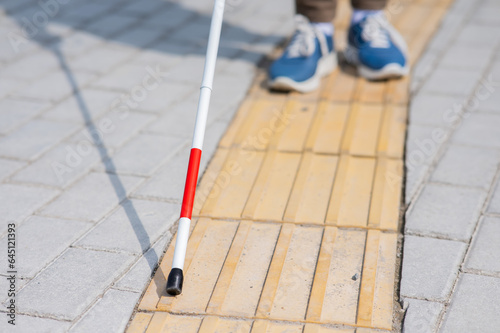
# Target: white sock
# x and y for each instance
(324, 27)
(360, 14)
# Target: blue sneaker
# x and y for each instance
(377, 49)
(309, 56)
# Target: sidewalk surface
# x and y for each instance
(98, 100)
(297, 215)
(297, 222)
(451, 259)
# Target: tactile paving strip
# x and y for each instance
(297, 215)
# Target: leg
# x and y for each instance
(310, 54)
(369, 4)
(317, 10)
(374, 46)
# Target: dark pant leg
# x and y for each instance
(369, 4)
(317, 10)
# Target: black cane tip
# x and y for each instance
(174, 282)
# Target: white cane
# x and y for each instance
(176, 276)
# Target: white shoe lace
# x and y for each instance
(303, 43)
(375, 31)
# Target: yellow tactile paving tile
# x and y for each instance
(386, 195)
(296, 218)
(271, 190)
(377, 282)
(346, 191)
(163, 322)
(326, 132)
(140, 322)
(350, 200)
(248, 270)
(168, 323)
(361, 129)
(392, 132)
(312, 189)
(233, 185)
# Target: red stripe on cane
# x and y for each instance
(191, 180)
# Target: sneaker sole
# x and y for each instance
(389, 71)
(326, 65)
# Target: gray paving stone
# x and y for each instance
(422, 144)
(19, 201)
(486, 14)
(413, 180)
(126, 77)
(78, 42)
(141, 9)
(491, 103)
(31, 140)
(478, 35)
(143, 155)
(446, 211)
(244, 64)
(40, 240)
(424, 65)
(462, 56)
(479, 129)
(61, 166)
(169, 17)
(229, 90)
(5, 285)
(434, 110)
(32, 66)
(105, 316)
(489, 90)
(114, 128)
(110, 25)
(8, 167)
(138, 37)
(92, 197)
(430, 267)
(7, 86)
(102, 59)
(15, 112)
(178, 121)
(89, 10)
(485, 251)
(421, 316)
(89, 104)
(166, 53)
(134, 227)
(468, 166)
(137, 278)
(168, 182)
(72, 283)
(35, 324)
(494, 205)
(161, 98)
(189, 70)
(451, 82)
(195, 32)
(55, 86)
(213, 134)
(474, 306)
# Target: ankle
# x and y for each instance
(325, 27)
(360, 14)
